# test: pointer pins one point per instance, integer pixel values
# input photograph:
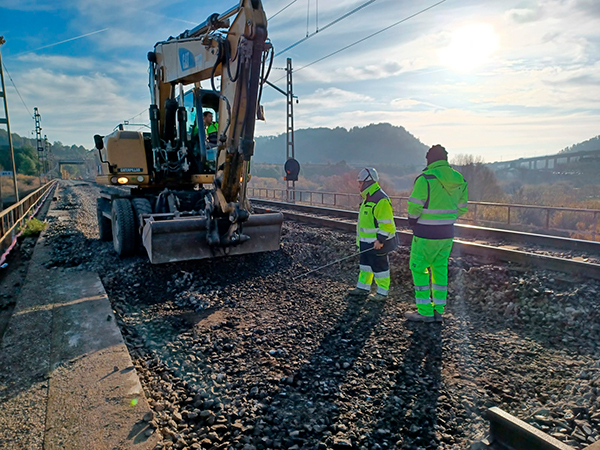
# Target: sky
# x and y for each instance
(500, 79)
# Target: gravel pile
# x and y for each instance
(233, 353)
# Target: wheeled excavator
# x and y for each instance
(187, 194)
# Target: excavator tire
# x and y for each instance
(123, 227)
(104, 226)
(140, 206)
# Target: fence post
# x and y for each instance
(508, 216)
(548, 219)
(334, 199)
(595, 225)
(311, 198)
(322, 198)
(474, 213)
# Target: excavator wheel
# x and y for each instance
(104, 227)
(140, 206)
(123, 227)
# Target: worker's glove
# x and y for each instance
(412, 222)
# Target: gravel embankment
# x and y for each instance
(233, 353)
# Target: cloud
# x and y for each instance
(526, 15)
(75, 107)
(29, 5)
(588, 6)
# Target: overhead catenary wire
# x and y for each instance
(307, 15)
(61, 42)
(16, 89)
(339, 19)
(366, 37)
(282, 9)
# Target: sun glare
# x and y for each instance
(470, 47)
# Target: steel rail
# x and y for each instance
(460, 248)
(589, 217)
(461, 230)
(509, 433)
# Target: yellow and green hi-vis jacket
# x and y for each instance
(438, 199)
(375, 218)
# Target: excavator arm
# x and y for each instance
(238, 53)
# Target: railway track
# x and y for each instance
(528, 249)
(235, 353)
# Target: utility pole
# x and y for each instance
(38, 138)
(47, 160)
(6, 122)
(289, 132)
(292, 167)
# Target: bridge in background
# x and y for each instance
(547, 162)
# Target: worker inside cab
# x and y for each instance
(210, 127)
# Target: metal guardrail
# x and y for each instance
(16, 215)
(509, 216)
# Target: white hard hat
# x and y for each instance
(368, 174)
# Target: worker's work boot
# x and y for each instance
(438, 317)
(378, 297)
(358, 292)
(417, 317)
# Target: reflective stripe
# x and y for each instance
(463, 205)
(384, 233)
(422, 288)
(414, 216)
(367, 240)
(382, 291)
(423, 301)
(440, 211)
(439, 287)
(385, 274)
(365, 268)
(439, 302)
(363, 286)
(386, 221)
(369, 230)
(418, 201)
(437, 221)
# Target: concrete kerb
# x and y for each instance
(67, 380)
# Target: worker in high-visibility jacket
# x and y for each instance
(210, 127)
(438, 199)
(375, 236)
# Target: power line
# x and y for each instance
(18, 93)
(339, 19)
(61, 42)
(138, 114)
(367, 37)
(283, 9)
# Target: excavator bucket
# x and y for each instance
(171, 239)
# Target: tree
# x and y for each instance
(482, 181)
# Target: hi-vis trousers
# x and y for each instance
(374, 265)
(429, 257)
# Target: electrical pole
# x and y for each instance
(290, 148)
(38, 138)
(291, 165)
(47, 160)
(6, 122)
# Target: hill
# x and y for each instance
(374, 144)
(26, 158)
(590, 145)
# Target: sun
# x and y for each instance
(470, 47)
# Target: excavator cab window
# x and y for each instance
(205, 153)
